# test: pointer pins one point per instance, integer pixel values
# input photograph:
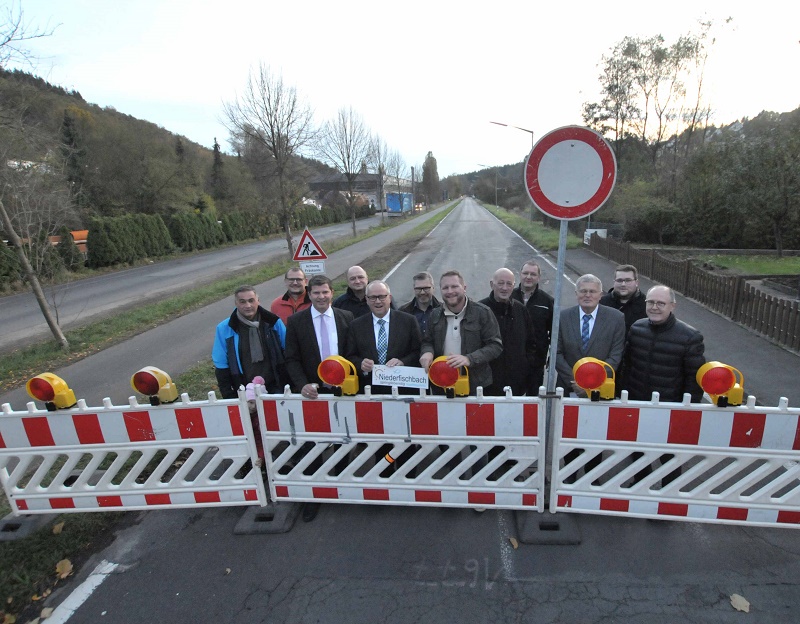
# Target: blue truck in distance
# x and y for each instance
(398, 204)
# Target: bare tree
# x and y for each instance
(15, 34)
(379, 153)
(272, 114)
(397, 169)
(344, 143)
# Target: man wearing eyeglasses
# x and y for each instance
(663, 354)
(625, 295)
(588, 330)
(295, 299)
(388, 337)
(424, 301)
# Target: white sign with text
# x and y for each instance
(400, 376)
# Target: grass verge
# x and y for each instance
(21, 364)
(541, 237)
(29, 565)
(755, 265)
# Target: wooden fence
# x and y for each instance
(773, 317)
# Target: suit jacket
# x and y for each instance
(302, 351)
(606, 343)
(404, 343)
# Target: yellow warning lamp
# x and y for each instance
(595, 377)
(340, 373)
(52, 390)
(723, 383)
(454, 382)
(155, 384)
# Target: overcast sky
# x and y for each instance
(426, 76)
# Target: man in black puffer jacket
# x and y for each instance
(662, 353)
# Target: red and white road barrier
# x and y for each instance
(692, 462)
(405, 451)
(186, 454)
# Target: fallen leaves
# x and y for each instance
(57, 528)
(227, 571)
(514, 542)
(9, 619)
(740, 603)
(46, 613)
(64, 568)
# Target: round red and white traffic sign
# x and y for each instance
(570, 172)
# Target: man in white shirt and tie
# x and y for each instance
(312, 335)
(384, 337)
(588, 330)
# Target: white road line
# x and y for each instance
(538, 253)
(81, 593)
(506, 549)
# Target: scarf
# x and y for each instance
(256, 351)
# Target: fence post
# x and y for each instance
(652, 261)
(738, 290)
(687, 267)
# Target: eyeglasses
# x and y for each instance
(294, 279)
(422, 288)
(624, 280)
(584, 291)
(376, 297)
(656, 304)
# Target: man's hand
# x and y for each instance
(457, 361)
(366, 365)
(309, 391)
(394, 362)
(425, 360)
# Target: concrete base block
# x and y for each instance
(273, 518)
(547, 528)
(18, 527)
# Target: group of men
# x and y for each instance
(638, 335)
(502, 340)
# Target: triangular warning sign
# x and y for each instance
(308, 249)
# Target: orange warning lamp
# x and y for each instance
(155, 384)
(723, 383)
(454, 382)
(52, 390)
(340, 373)
(595, 377)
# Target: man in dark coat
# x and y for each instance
(515, 365)
(625, 295)
(539, 305)
(354, 298)
(424, 301)
(662, 354)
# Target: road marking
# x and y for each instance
(538, 253)
(81, 594)
(506, 550)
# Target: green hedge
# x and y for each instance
(123, 240)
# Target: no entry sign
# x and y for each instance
(570, 172)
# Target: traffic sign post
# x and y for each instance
(310, 255)
(569, 174)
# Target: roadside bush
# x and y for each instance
(10, 270)
(71, 256)
(102, 251)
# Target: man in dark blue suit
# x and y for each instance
(385, 336)
(588, 330)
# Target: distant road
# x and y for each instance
(83, 300)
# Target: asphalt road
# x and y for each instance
(81, 301)
(392, 564)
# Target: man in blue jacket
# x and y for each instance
(249, 344)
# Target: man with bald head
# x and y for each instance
(662, 354)
(354, 299)
(515, 365)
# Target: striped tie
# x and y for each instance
(585, 332)
(383, 343)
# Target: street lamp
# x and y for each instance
(495, 182)
(497, 123)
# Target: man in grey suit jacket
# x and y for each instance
(304, 340)
(398, 330)
(588, 330)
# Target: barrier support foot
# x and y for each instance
(18, 527)
(273, 518)
(547, 528)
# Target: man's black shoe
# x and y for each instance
(310, 511)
